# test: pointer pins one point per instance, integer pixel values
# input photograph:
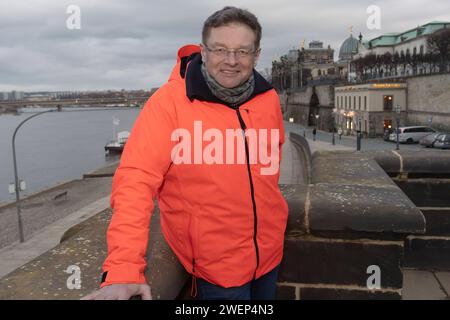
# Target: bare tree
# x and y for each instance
(439, 44)
(396, 61)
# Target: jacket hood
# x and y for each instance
(182, 60)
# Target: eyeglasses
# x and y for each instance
(223, 52)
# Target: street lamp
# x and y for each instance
(315, 128)
(342, 122)
(358, 135)
(20, 186)
(397, 110)
(333, 141)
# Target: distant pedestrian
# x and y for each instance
(314, 134)
(340, 133)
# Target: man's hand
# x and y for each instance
(120, 292)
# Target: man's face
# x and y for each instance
(230, 70)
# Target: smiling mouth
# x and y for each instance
(229, 72)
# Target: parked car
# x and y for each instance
(429, 140)
(387, 134)
(411, 134)
(443, 142)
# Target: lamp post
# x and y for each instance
(397, 110)
(333, 140)
(17, 186)
(358, 135)
(342, 123)
(315, 128)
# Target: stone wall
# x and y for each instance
(429, 96)
(342, 226)
(296, 104)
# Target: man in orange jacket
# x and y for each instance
(208, 145)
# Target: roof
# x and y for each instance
(390, 39)
(348, 48)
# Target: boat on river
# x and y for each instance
(116, 146)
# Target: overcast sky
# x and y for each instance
(132, 44)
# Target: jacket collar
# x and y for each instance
(196, 87)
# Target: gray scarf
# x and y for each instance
(232, 96)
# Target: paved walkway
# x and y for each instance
(18, 254)
(426, 285)
(350, 141)
(46, 220)
(42, 209)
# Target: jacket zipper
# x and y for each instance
(252, 191)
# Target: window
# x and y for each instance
(388, 102)
(350, 102)
(414, 51)
(359, 102)
(354, 102)
(421, 49)
(365, 103)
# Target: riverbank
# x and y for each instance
(45, 207)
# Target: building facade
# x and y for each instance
(4, 96)
(299, 66)
(369, 108)
(397, 54)
(395, 71)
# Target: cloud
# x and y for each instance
(133, 44)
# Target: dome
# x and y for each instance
(348, 48)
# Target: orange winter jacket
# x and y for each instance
(222, 212)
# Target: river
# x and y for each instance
(58, 146)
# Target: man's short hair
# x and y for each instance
(230, 15)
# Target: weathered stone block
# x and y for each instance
(424, 252)
(286, 292)
(382, 210)
(438, 221)
(295, 196)
(427, 192)
(341, 262)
